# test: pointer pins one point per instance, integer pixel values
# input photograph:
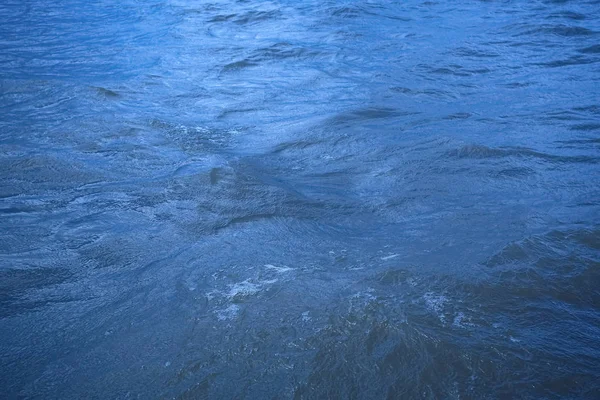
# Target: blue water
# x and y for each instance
(300, 200)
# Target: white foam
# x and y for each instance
(306, 316)
(245, 288)
(228, 313)
(436, 304)
(458, 320)
(389, 257)
(279, 270)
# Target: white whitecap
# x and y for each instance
(245, 288)
(279, 270)
(228, 313)
(436, 304)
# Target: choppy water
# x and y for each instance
(308, 200)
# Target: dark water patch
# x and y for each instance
(592, 109)
(222, 18)
(518, 85)
(435, 93)
(17, 210)
(274, 53)
(462, 115)
(106, 93)
(473, 52)
(297, 145)
(574, 60)
(31, 277)
(16, 284)
(237, 65)
(585, 127)
(456, 71)
(38, 173)
(282, 51)
(248, 17)
(564, 115)
(581, 141)
(215, 175)
(478, 151)
(346, 12)
(595, 49)
(568, 15)
(234, 111)
(369, 114)
(514, 173)
(553, 29)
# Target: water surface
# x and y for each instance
(303, 200)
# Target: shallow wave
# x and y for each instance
(480, 151)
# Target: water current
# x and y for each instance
(299, 199)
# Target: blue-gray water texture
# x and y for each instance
(299, 199)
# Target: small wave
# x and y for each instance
(346, 12)
(106, 93)
(480, 151)
(557, 30)
(369, 113)
(518, 85)
(460, 115)
(435, 93)
(585, 127)
(514, 172)
(574, 60)
(591, 109)
(237, 65)
(571, 15)
(455, 70)
(595, 49)
(473, 53)
(279, 270)
(275, 53)
(247, 18)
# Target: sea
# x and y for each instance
(272, 199)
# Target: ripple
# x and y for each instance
(299, 199)
(558, 30)
(479, 151)
(595, 49)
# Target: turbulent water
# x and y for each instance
(299, 200)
